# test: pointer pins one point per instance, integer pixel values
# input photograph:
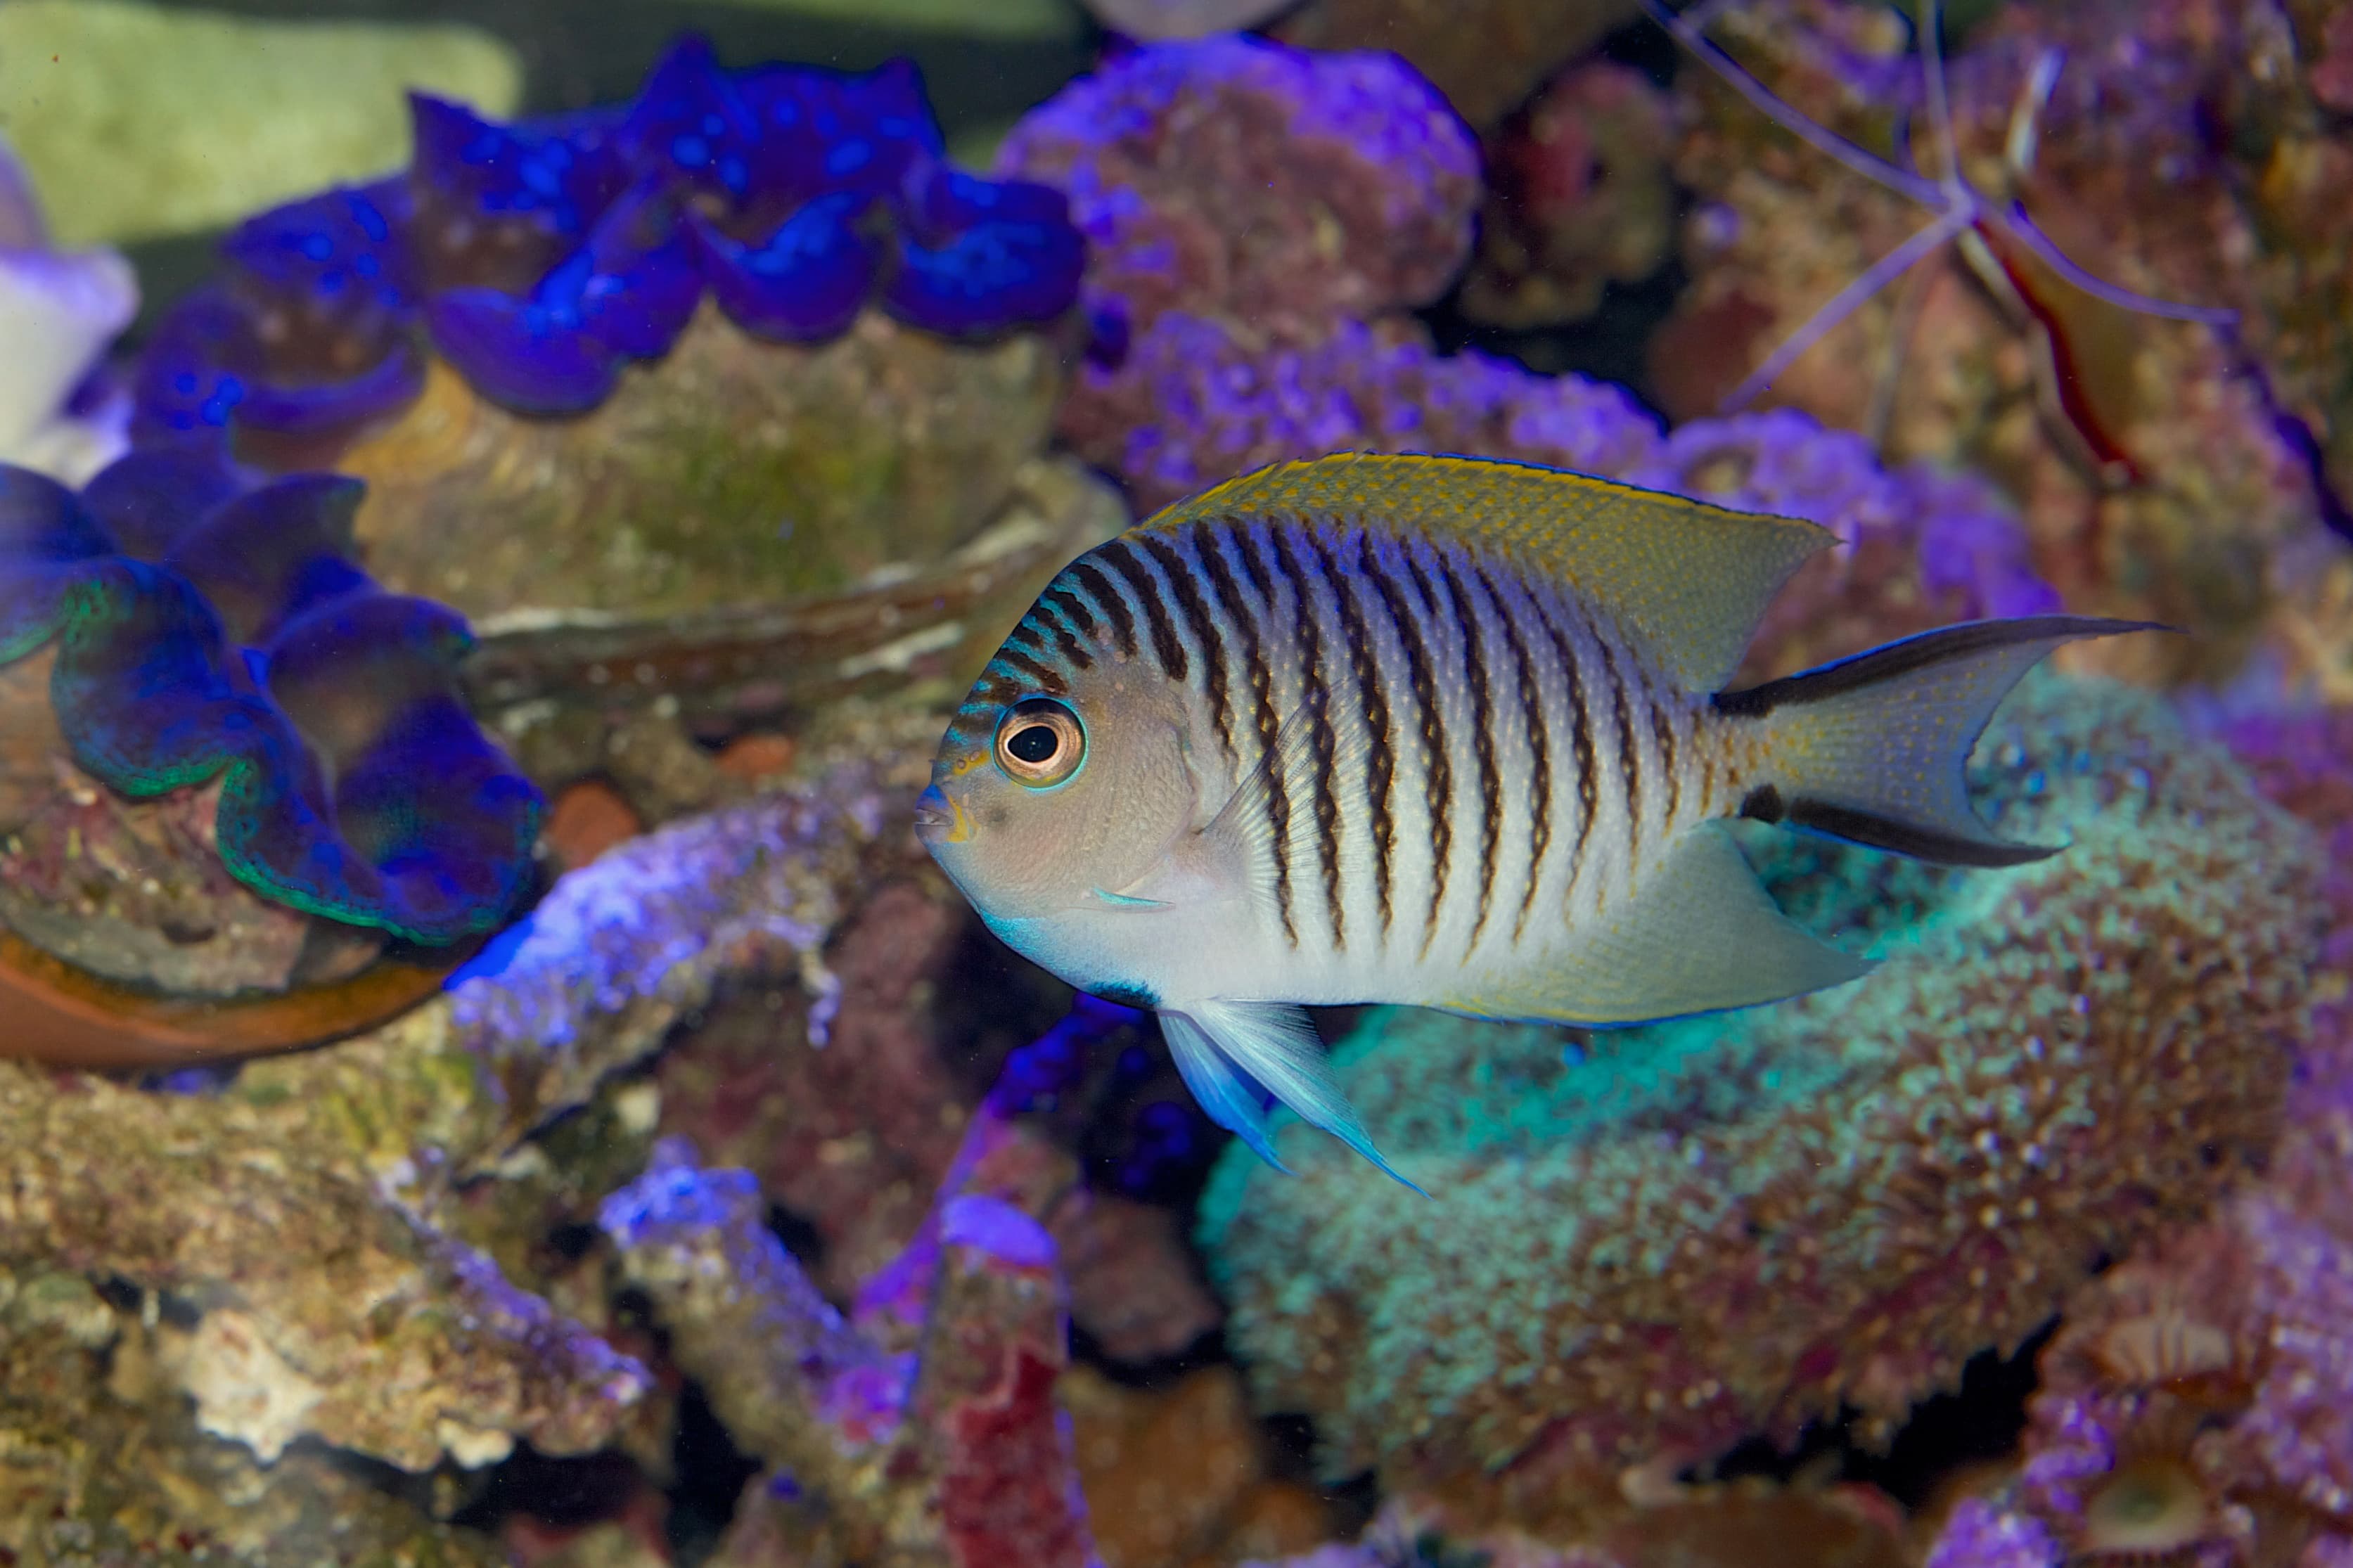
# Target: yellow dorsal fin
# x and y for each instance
(1689, 580)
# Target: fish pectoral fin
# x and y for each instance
(1699, 935)
(1222, 1049)
(1241, 835)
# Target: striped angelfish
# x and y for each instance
(1440, 732)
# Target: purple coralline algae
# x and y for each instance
(1262, 183)
(540, 257)
(206, 628)
(1655, 1243)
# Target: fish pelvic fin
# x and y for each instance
(1224, 1048)
(1871, 748)
(1686, 580)
(1698, 935)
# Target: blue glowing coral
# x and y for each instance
(540, 257)
(206, 627)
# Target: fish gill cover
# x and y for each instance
(539, 258)
(206, 628)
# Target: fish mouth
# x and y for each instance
(939, 820)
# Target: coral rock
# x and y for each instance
(1578, 198)
(954, 1452)
(1274, 185)
(2164, 468)
(1485, 55)
(736, 472)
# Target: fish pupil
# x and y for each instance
(1033, 744)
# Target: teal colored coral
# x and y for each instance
(1651, 1243)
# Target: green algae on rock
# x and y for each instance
(733, 471)
(1649, 1244)
(140, 121)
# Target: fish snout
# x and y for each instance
(939, 820)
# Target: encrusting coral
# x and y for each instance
(1655, 1243)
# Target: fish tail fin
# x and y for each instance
(1871, 747)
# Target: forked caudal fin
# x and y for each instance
(1223, 1047)
(1871, 748)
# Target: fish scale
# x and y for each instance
(1439, 732)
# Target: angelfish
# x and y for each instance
(1442, 731)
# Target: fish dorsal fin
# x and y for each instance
(1688, 581)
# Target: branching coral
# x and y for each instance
(1663, 1241)
(541, 258)
(926, 1429)
(205, 629)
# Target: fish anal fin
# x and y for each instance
(1698, 935)
(1686, 580)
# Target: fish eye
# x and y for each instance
(1040, 743)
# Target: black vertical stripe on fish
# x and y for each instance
(1438, 783)
(1482, 739)
(1662, 730)
(1320, 737)
(1203, 626)
(1580, 716)
(1098, 587)
(1539, 735)
(1043, 676)
(1120, 556)
(1245, 538)
(1054, 609)
(1380, 757)
(1239, 615)
(1074, 609)
(1629, 762)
